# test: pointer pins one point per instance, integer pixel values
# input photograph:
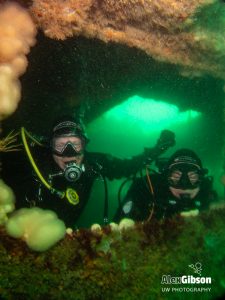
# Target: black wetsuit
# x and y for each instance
(140, 201)
(18, 173)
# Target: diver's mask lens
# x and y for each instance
(72, 171)
(68, 149)
(184, 178)
(60, 147)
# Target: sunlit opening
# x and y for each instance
(149, 112)
(137, 122)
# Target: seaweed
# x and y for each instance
(117, 265)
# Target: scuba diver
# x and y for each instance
(181, 186)
(64, 172)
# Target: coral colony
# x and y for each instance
(17, 35)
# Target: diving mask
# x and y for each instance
(69, 149)
(184, 178)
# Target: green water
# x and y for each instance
(127, 128)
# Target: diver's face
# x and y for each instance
(184, 180)
(179, 193)
(62, 155)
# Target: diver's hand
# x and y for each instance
(166, 140)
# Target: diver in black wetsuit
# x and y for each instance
(182, 186)
(68, 171)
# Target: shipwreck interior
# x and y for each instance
(125, 99)
(129, 69)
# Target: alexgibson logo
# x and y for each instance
(185, 279)
(197, 267)
(194, 282)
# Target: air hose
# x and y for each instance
(70, 194)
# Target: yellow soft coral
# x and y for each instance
(39, 228)
(17, 35)
(7, 202)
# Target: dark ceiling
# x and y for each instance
(65, 75)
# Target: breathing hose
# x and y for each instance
(70, 194)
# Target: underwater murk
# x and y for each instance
(132, 68)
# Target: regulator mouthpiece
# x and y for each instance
(72, 171)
